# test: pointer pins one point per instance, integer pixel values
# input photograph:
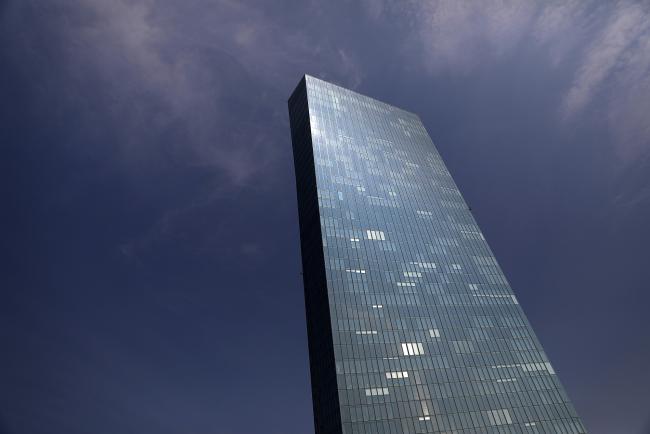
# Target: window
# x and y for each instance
(434, 333)
(412, 349)
(375, 235)
(498, 417)
(463, 347)
(377, 391)
(393, 375)
(533, 367)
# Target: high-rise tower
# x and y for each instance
(412, 326)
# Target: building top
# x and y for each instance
(310, 79)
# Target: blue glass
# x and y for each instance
(412, 326)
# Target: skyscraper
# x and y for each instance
(412, 326)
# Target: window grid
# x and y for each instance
(427, 335)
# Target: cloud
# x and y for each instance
(203, 83)
(612, 71)
(458, 35)
(179, 68)
(185, 83)
(560, 26)
(350, 67)
(160, 88)
(602, 50)
(613, 48)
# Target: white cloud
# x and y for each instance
(603, 46)
(460, 34)
(607, 54)
(162, 65)
(560, 26)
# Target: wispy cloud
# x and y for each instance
(170, 88)
(459, 35)
(604, 46)
(614, 47)
(175, 69)
(561, 26)
(203, 83)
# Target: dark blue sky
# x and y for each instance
(150, 270)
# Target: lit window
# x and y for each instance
(499, 417)
(425, 410)
(549, 368)
(412, 349)
(533, 367)
(506, 380)
(375, 235)
(434, 333)
(377, 391)
(393, 375)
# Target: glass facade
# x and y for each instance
(412, 326)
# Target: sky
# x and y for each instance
(150, 264)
